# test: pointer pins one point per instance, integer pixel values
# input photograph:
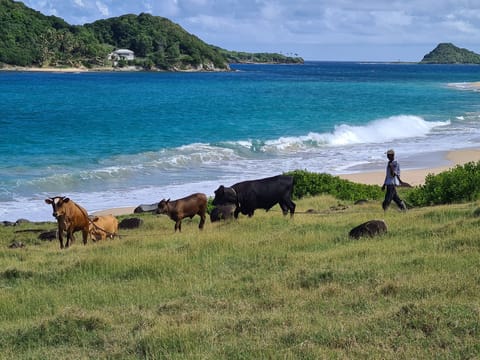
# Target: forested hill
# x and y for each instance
(447, 53)
(31, 39)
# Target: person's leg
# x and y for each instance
(388, 197)
(398, 201)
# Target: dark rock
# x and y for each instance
(130, 223)
(22, 221)
(339, 207)
(361, 202)
(48, 235)
(16, 245)
(370, 228)
(146, 208)
(222, 212)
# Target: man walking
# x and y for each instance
(392, 179)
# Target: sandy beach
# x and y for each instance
(413, 177)
(417, 176)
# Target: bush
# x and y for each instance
(460, 184)
(311, 184)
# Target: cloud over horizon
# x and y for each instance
(373, 30)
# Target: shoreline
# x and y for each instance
(414, 177)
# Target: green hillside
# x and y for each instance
(447, 53)
(29, 38)
(158, 41)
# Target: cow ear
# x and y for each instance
(49, 201)
(66, 199)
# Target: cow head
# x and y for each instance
(57, 203)
(163, 206)
(225, 195)
(91, 223)
(92, 227)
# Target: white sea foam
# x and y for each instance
(470, 86)
(378, 131)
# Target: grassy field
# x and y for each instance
(267, 287)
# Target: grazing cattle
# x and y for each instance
(258, 194)
(71, 218)
(102, 227)
(195, 204)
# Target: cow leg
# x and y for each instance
(60, 237)
(284, 208)
(287, 205)
(202, 220)
(236, 212)
(69, 236)
(178, 225)
(292, 207)
(85, 235)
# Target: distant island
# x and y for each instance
(30, 39)
(447, 53)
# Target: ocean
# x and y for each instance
(118, 139)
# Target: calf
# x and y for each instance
(222, 212)
(71, 218)
(195, 204)
(102, 227)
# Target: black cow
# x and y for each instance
(258, 194)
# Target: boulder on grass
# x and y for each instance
(370, 228)
(130, 223)
(48, 235)
(143, 208)
(16, 245)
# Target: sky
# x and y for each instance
(327, 30)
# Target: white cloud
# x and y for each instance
(102, 8)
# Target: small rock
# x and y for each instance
(16, 245)
(130, 223)
(370, 228)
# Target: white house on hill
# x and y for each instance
(121, 54)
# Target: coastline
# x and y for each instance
(414, 177)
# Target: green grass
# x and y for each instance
(267, 287)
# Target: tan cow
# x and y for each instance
(195, 204)
(102, 227)
(71, 218)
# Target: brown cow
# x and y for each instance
(102, 227)
(195, 204)
(71, 218)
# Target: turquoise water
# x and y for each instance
(121, 139)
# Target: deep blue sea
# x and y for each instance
(120, 139)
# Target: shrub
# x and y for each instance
(459, 184)
(311, 184)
